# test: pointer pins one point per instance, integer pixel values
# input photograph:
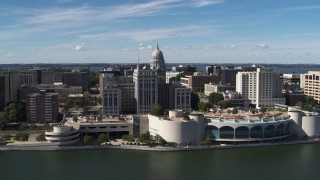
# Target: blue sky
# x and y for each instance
(188, 31)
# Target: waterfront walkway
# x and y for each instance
(52, 147)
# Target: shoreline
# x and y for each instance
(52, 147)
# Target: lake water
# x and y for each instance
(294, 162)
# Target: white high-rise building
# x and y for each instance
(262, 88)
(146, 88)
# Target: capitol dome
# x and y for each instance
(157, 53)
(157, 60)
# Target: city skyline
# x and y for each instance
(206, 31)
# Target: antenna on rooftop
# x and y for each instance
(138, 58)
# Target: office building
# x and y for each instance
(217, 88)
(179, 97)
(310, 82)
(9, 84)
(197, 82)
(62, 89)
(262, 88)
(42, 107)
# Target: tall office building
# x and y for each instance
(150, 83)
(121, 87)
(111, 99)
(9, 84)
(30, 76)
(262, 88)
(310, 83)
(146, 88)
(42, 107)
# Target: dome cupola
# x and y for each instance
(157, 59)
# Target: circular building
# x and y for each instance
(311, 126)
(63, 135)
(248, 131)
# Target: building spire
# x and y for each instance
(157, 45)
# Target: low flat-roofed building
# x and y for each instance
(211, 88)
(197, 81)
(114, 127)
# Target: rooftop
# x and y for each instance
(84, 121)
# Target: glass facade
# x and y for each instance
(279, 130)
(269, 131)
(226, 132)
(212, 132)
(287, 128)
(243, 132)
(256, 132)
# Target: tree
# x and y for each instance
(85, 99)
(103, 138)
(207, 141)
(69, 103)
(309, 104)
(128, 138)
(214, 98)
(85, 110)
(87, 139)
(224, 104)
(228, 111)
(7, 137)
(144, 138)
(3, 120)
(87, 94)
(21, 137)
(162, 142)
(158, 139)
(195, 100)
(74, 118)
(186, 116)
(15, 112)
(41, 137)
(235, 111)
(156, 109)
(175, 79)
(99, 100)
(204, 107)
(94, 79)
(263, 110)
(253, 111)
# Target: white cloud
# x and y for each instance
(11, 55)
(201, 3)
(186, 47)
(263, 46)
(64, 1)
(80, 47)
(298, 8)
(153, 34)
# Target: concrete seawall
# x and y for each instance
(49, 147)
